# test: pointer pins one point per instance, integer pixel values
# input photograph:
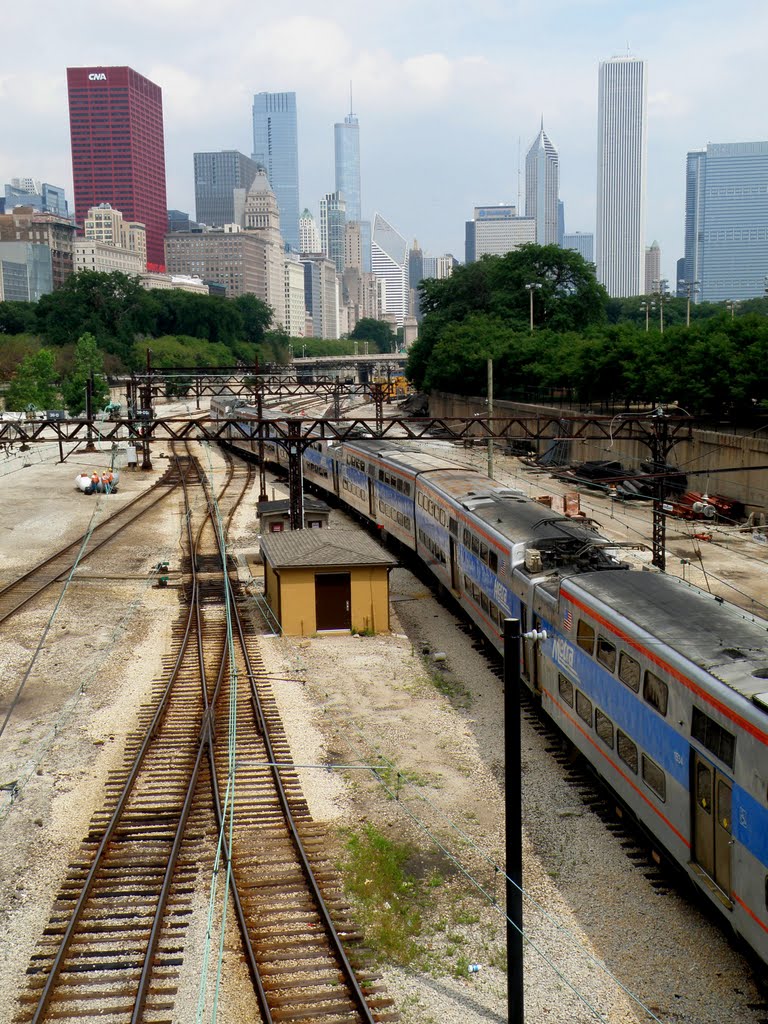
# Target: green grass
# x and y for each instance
(453, 689)
(377, 876)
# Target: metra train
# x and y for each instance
(662, 687)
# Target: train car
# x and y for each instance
(662, 688)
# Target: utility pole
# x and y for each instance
(260, 414)
(513, 800)
(490, 415)
(660, 449)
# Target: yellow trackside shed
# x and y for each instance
(317, 580)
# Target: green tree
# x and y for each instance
(17, 317)
(34, 385)
(87, 362)
(376, 332)
(256, 318)
(565, 293)
(114, 308)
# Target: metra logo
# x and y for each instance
(500, 595)
(563, 653)
(97, 77)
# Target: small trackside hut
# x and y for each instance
(319, 580)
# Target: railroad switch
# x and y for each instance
(162, 570)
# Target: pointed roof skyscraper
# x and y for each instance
(542, 187)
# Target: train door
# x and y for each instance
(536, 657)
(525, 669)
(371, 497)
(712, 797)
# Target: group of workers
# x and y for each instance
(96, 483)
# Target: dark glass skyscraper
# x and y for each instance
(217, 175)
(276, 147)
(118, 153)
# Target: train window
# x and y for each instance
(475, 545)
(484, 602)
(493, 561)
(604, 728)
(453, 526)
(467, 539)
(629, 671)
(565, 686)
(584, 707)
(714, 737)
(656, 692)
(606, 654)
(494, 614)
(724, 798)
(585, 636)
(654, 777)
(476, 592)
(704, 787)
(484, 552)
(467, 584)
(627, 750)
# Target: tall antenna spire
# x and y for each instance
(351, 113)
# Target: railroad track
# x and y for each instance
(17, 594)
(118, 935)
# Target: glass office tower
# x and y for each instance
(276, 147)
(347, 151)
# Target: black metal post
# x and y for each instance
(513, 798)
(146, 462)
(89, 388)
(295, 480)
(261, 428)
(660, 448)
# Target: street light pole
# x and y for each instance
(691, 287)
(530, 289)
(647, 305)
(662, 291)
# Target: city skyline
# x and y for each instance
(415, 94)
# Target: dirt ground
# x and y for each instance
(421, 698)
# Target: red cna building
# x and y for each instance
(118, 154)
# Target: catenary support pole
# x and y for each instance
(513, 788)
(490, 416)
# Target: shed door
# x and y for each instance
(332, 600)
(712, 822)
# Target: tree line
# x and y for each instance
(583, 345)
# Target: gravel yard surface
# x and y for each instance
(593, 919)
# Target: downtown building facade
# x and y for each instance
(276, 148)
(41, 196)
(495, 231)
(389, 260)
(726, 222)
(217, 176)
(118, 151)
(26, 225)
(582, 242)
(333, 222)
(621, 175)
(542, 188)
(26, 271)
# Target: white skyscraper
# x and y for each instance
(389, 256)
(621, 174)
(542, 187)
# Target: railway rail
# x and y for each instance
(16, 594)
(118, 935)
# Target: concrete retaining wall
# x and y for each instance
(706, 451)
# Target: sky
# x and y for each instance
(449, 95)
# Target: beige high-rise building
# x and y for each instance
(105, 258)
(652, 268)
(295, 308)
(106, 225)
(234, 259)
(262, 219)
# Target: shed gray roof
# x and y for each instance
(284, 505)
(323, 548)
